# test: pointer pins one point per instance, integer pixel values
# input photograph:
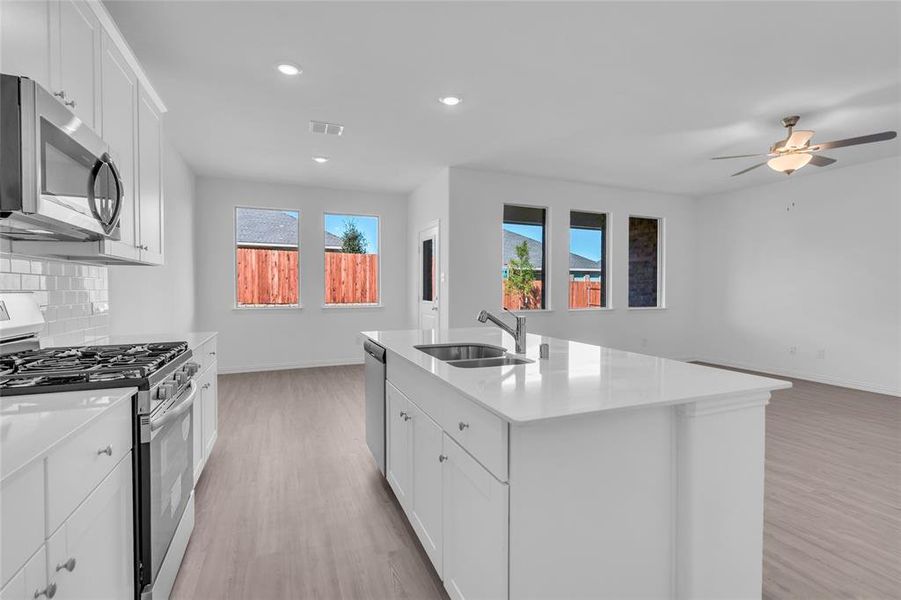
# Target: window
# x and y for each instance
(645, 273)
(351, 259)
(587, 260)
(268, 244)
(523, 273)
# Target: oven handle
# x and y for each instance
(176, 410)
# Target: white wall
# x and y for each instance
(476, 212)
(161, 299)
(825, 276)
(427, 204)
(261, 339)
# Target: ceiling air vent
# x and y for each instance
(326, 128)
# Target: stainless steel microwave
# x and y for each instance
(57, 179)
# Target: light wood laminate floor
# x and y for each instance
(291, 505)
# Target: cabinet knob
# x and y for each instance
(70, 103)
(212, 354)
(405, 416)
(206, 386)
(49, 591)
(69, 565)
(60, 94)
(463, 425)
(442, 458)
(108, 450)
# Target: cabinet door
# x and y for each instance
(475, 528)
(96, 543)
(119, 103)
(76, 56)
(25, 39)
(210, 401)
(150, 181)
(398, 460)
(426, 496)
(196, 424)
(31, 580)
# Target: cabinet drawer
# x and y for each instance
(481, 433)
(30, 580)
(205, 354)
(76, 467)
(21, 519)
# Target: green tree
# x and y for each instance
(521, 275)
(353, 241)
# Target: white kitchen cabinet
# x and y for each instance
(150, 181)
(398, 468)
(31, 580)
(25, 39)
(426, 458)
(197, 429)
(475, 528)
(209, 400)
(90, 555)
(75, 59)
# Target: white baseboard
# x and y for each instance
(836, 381)
(286, 366)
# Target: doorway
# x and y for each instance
(429, 309)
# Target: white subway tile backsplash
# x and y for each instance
(66, 293)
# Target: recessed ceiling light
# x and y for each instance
(320, 159)
(450, 100)
(289, 69)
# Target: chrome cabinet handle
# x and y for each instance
(405, 416)
(70, 103)
(206, 386)
(69, 565)
(49, 591)
(212, 354)
(442, 458)
(108, 450)
(463, 425)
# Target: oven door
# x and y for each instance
(68, 185)
(167, 478)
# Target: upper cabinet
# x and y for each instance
(74, 49)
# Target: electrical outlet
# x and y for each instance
(792, 349)
(821, 353)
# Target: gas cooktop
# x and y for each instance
(85, 367)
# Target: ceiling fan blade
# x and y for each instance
(736, 156)
(818, 160)
(798, 139)
(749, 169)
(864, 139)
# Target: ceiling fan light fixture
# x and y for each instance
(789, 163)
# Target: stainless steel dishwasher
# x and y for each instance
(375, 401)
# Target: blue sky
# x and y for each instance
(584, 242)
(368, 225)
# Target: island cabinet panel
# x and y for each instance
(482, 433)
(427, 458)
(475, 529)
(592, 506)
(398, 468)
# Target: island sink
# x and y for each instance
(449, 352)
(500, 361)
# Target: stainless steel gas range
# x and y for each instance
(162, 430)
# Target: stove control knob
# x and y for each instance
(192, 368)
(181, 377)
(164, 392)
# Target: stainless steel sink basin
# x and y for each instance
(449, 352)
(500, 361)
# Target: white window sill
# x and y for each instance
(252, 307)
(379, 305)
(647, 308)
(591, 310)
(530, 311)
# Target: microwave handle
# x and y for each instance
(105, 159)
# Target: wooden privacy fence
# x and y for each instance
(583, 293)
(267, 276)
(351, 278)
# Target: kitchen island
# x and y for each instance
(593, 473)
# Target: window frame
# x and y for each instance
(378, 221)
(661, 263)
(243, 307)
(545, 259)
(608, 264)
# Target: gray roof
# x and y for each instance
(267, 227)
(332, 240)
(577, 262)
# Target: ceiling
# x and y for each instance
(631, 94)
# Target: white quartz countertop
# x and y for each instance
(194, 338)
(577, 379)
(32, 425)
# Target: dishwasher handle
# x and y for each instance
(374, 350)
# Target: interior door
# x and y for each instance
(427, 458)
(429, 309)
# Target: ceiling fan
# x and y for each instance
(795, 151)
